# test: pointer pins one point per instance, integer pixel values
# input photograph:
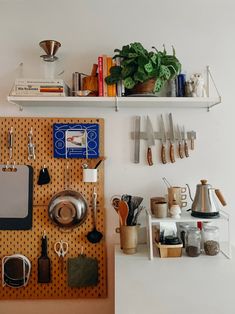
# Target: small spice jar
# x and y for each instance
(193, 242)
(211, 240)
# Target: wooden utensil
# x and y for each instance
(123, 211)
(91, 82)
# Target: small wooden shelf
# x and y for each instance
(117, 102)
(186, 217)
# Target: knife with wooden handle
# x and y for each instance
(192, 136)
(181, 151)
(172, 139)
(163, 138)
(150, 141)
(185, 143)
(137, 140)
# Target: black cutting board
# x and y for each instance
(16, 198)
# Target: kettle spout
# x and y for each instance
(220, 197)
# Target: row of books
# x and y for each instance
(104, 64)
(40, 87)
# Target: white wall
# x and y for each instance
(202, 33)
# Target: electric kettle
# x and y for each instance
(207, 201)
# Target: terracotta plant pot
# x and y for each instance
(143, 88)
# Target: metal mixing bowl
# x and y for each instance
(68, 209)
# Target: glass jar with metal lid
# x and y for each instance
(193, 242)
(211, 240)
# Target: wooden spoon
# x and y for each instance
(123, 211)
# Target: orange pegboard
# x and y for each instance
(28, 243)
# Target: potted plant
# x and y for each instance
(143, 71)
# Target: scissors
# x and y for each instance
(61, 249)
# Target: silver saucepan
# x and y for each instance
(68, 209)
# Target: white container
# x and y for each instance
(89, 175)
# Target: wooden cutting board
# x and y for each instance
(16, 194)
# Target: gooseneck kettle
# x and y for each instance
(207, 201)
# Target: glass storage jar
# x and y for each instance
(211, 240)
(182, 230)
(193, 242)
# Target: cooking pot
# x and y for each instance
(68, 209)
(15, 270)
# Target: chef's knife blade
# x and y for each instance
(181, 152)
(192, 137)
(172, 139)
(150, 141)
(185, 143)
(137, 140)
(163, 138)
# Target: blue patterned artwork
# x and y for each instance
(76, 140)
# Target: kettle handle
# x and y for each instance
(220, 197)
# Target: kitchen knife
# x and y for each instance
(185, 143)
(192, 137)
(181, 152)
(172, 139)
(150, 141)
(137, 140)
(163, 138)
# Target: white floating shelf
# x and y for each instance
(187, 217)
(117, 102)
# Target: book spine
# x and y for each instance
(38, 82)
(105, 87)
(51, 90)
(109, 87)
(100, 76)
(30, 94)
(114, 86)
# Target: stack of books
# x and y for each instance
(104, 64)
(40, 87)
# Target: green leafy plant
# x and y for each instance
(137, 65)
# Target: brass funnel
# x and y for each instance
(50, 47)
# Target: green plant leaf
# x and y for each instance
(154, 58)
(140, 77)
(142, 60)
(126, 62)
(129, 82)
(148, 67)
(111, 80)
(125, 50)
(158, 85)
(132, 55)
(115, 71)
(164, 72)
(128, 70)
(138, 48)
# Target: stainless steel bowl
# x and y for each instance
(68, 209)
